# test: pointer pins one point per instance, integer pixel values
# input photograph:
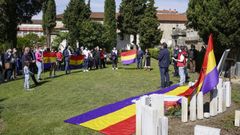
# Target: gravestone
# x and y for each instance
(200, 105)
(203, 130)
(213, 103)
(184, 109)
(237, 118)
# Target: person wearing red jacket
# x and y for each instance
(59, 59)
(181, 64)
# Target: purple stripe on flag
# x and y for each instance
(128, 61)
(47, 65)
(210, 81)
(110, 108)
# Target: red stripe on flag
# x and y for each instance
(125, 127)
(128, 53)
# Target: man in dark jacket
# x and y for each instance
(139, 58)
(66, 55)
(164, 62)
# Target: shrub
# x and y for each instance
(154, 52)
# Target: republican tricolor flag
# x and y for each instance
(208, 78)
(128, 57)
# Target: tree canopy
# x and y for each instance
(222, 18)
(76, 13)
(49, 18)
(110, 34)
(130, 14)
(16, 12)
(149, 31)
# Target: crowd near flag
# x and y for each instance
(76, 61)
(129, 57)
(49, 58)
(208, 78)
(120, 118)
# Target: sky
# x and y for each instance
(98, 5)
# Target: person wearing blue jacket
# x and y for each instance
(164, 62)
(67, 54)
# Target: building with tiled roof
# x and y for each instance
(169, 20)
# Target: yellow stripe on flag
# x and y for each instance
(130, 57)
(211, 62)
(111, 119)
(76, 62)
(49, 59)
(177, 91)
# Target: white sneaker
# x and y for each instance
(112, 68)
(84, 70)
(116, 68)
(87, 70)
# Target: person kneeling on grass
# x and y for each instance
(27, 74)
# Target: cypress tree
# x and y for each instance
(76, 13)
(49, 18)
(131, 12)
(110, 34)
(150, 35)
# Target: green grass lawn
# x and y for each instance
(43, 110)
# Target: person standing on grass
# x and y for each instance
(67, 54)
(181, 63)
(192, 59)
(147, 60)
(164, 62)
(139, 58)
(39, 62)
(59, 59)
(175, 55)
(114, 57)
(27, 74)
(8, 65)
(53, 67)
(86, 60)
(27, 57)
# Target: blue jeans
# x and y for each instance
(182, 75)
(164, 77)
(67, 68)
(85, 66)
(39, 66)
(139, 63)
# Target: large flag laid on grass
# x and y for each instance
(128, 57)
(208, 78)
(119, 118)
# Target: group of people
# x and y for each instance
(30, 61)
(182, 59)
(143, 58)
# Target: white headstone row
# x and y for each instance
(150, 118)
(220, 98)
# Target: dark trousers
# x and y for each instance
(175, 69)
(103, 63)
(114, 63)
(139, 63)
(34, 79)
(164, 77)
(67, 68)
(97, 63)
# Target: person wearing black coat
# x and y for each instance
(164, 62)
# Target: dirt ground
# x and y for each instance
(224, 121)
